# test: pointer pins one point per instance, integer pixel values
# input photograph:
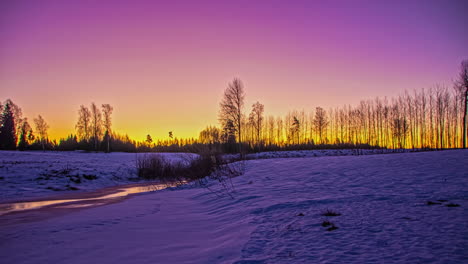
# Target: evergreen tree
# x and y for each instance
(7, 128)
(149, 140)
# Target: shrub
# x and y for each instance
(329, 212)
(332, 227)
(200, 169)
(156, 166)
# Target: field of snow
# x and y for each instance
(31, 174)
(401, 208)
(324, 153)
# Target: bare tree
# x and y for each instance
(107, 122)
(462, 85)
(41, 128)
(231, 107)
(256, 118)
(279, 131)
(271, 129)
(210, 135)
(96, 124)
(25, 135)
(320, 122)
(83, 126)
(295, 129)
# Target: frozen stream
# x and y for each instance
(95, 198)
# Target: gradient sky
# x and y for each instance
(163, 65)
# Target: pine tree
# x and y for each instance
(7, 128)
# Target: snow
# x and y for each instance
(33, 174)
(275, 216)
(324, 152)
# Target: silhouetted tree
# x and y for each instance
(320, 122)
(229, 132)
(256, 119)
(41, 128)
(230, 113)
(295, 129)
(25, 135)
(96, 125)
(149, 140)
(210, 135)
(70, 143)
(107, 112)
(83, 126)
(400, 130)
(462, 84)
(7, 128)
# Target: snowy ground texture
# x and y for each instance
(33, 174)
(324, 153)
(274, 217)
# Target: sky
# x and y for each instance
(163, 65)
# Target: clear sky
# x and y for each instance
(163, 65)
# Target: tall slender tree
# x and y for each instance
(231, 107)
(107, 122)
(25, 135)
(256, 119)
(41, 128)
(462, 85)
(295, 129)
(83, 126)
(96, 125)
(320, 122)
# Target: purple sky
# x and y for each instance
(164, 65)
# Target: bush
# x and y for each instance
(329, 212)
(201, 169)
(156, 166)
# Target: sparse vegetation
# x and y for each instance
(199, 169)
(157, 167)
(329, 212)
(89, 177)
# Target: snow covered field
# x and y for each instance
(323, 153)
(401, 208)
(33, 174)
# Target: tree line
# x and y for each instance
(434, 118)
(17, 133)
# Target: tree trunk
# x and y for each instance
(464, 119)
